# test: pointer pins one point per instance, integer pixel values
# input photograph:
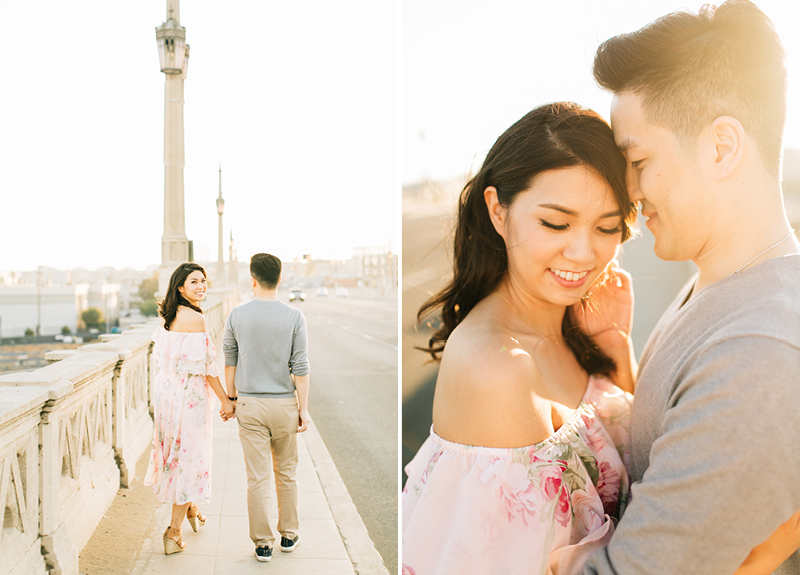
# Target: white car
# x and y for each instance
(322, 292)
(341, 292)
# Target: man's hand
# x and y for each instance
(305, 418)
(768, 556)
(228, 410)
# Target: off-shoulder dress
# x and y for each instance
(532, 510)
(180, 461)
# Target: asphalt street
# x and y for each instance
(353, 401)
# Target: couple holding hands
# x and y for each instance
(551, 451)
(267, 380)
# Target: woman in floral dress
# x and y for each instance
(524, 471)
(180, 462)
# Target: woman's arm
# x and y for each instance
(227, 404)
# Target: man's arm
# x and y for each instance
(723, 474)
(302, 383)
(298, 364)
(230, 380)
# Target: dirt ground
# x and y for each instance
(120, 536)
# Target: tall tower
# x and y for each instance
(173, 54)
(220, 259)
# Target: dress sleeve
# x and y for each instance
(723, 474)
(211, 358)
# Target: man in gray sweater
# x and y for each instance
(267, 376)
(698, 110)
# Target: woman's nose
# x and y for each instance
(580, 249)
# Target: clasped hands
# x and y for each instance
(229, 413)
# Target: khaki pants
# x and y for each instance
(268, 432)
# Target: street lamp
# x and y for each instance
(173, 52)
(220, 209)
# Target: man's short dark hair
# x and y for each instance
(690, 69)
(266, 268)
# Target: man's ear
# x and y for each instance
(497, 213)
(725, 141)
(253, 282)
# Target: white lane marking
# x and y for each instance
(364, 335)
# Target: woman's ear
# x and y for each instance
(497, 213)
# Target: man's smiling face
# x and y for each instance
(663, 175)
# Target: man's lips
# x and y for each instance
(650, 217)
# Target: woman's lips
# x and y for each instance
(578, 278)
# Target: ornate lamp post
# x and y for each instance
(220, 209)
(173, 54)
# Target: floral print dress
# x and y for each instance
(532, 510)
(180, 462)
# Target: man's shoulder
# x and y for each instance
(765, 303)
(276, 308)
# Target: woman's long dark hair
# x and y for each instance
(551, 137)
(168, 308)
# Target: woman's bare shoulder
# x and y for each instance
(188, 320)
(486, 390)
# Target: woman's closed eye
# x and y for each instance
(552, 226)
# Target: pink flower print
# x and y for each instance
(608, 486)
(562, 506)
(551, 478)
(408, 570)
(173, 465)
(588, 512)
(512, 489)
(423, 480)
(594, 436)
(192, 403)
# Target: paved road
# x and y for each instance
(353, 401)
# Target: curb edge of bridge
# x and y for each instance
(357, 542)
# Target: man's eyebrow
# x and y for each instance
(570, 212)
(627, 144)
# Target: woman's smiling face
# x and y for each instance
(560, 233)
(194, 288)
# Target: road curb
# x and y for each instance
(365, 558)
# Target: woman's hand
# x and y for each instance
(607, 314)
(228, 410)
(768, 556)
(607, 317)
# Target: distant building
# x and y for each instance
(60, 306)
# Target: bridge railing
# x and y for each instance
(70, 436)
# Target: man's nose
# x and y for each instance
(632, 180)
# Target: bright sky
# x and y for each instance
(472, 68)
(299, 101)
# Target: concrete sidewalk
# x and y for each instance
(333, 539)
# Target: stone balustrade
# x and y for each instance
(70, 436)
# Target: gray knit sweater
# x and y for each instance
(715, 429)
(266, 341)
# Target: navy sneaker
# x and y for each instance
(288, 545)
(264, 554)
